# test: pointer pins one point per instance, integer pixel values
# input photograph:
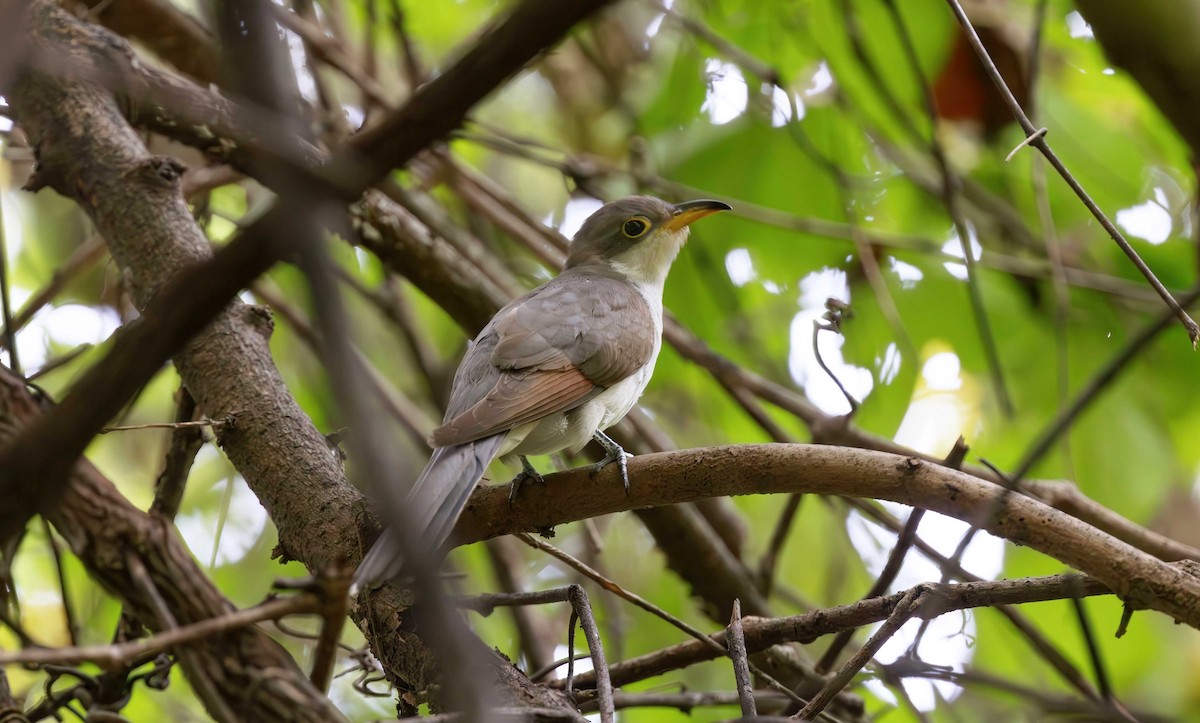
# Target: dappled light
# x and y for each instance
(814, 359)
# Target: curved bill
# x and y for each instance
(689, 211)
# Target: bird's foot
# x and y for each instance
(526, 476)
(612, 453)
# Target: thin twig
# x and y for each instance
(549, 668)
(735, 643)
(10, 332)
(113, 656)
(900, 615)
(895, 561)
(1097, 384)
(950, 193)
(583, 609)
(836, 311)
(646, 605)
(1102, 684)
(198, 424)
(1040, 143)
(58, 362)
(684, 701)
(67, 606)
(181, 453)
(779, 535)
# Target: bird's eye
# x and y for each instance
(635, 226)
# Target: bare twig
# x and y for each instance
(1097, 384)
(113, 656)
(835, 312)
(1098, 668)
(762, 633)
(649, 607)
(894, 562)
(185, 444)
(67, 605)
(950, 192)
(735, 643)
(904, 610)
(10, 332)
(581, 608)
(770, 558)
(197, 424)
(1041, 144)
(684, 701)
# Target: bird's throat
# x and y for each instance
(647, 264)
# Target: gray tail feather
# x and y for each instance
(433, 506)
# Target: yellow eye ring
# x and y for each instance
(635, 227)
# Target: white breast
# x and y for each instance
(618, 399)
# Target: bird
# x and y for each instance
(552, 370)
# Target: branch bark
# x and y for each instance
(934, 599)
(690, 475)
(244, 669)
(87, 152)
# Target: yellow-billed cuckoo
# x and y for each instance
(553, 369)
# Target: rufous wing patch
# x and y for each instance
(516, 399)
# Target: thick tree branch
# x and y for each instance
(690, 475)
(88, 153)
(184, 307)
(175, 35)
(103, 529)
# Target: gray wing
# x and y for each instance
(547, 352)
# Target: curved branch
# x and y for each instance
(696, 474)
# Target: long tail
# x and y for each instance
(433, 506)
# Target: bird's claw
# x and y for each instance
(526, 476)
(613, 453)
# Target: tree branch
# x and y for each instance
(104, 530)
(690, 475)
(935, 599)
(89, 153)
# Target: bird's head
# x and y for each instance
(638, 236)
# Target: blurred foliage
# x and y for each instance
(840, 149)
